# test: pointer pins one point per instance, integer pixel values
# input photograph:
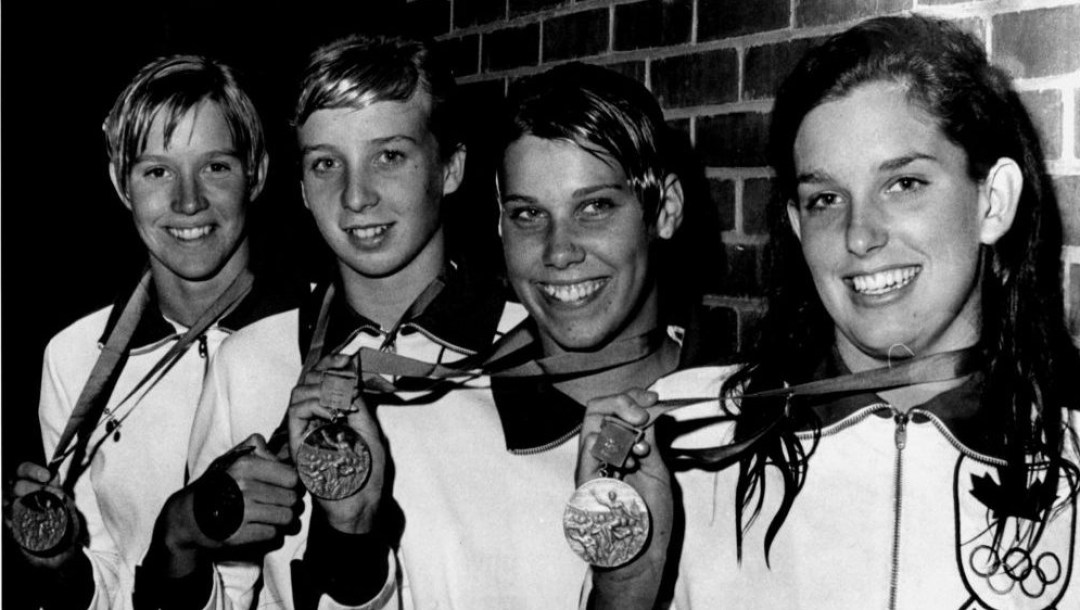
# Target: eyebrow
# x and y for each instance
(377, 141)
(818, 176)
(227, 152)
(584, 191)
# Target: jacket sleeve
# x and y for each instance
(59, 391)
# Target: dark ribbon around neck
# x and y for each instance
(86, 416)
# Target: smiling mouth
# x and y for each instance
(190, 234)
(572, 293)
(883, 282)
(369, 232)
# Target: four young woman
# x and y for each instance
(902, 433)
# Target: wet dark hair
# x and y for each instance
(1030, 365)
(359, 70)
(607, 114)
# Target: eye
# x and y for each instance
(525, 216)
(596, 208)
(821, 201)
(322, 165)
(390, 157)
(219, 167)
(905, 184)
(155, 172)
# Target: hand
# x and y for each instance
(271, 502)
(31, 478)
(356, 513)
(636, 584)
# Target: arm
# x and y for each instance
(637, 583)
(349, 536)
(243, 501)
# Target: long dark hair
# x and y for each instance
(1030, 364)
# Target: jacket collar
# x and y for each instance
(270, 294)
(464, 315)
(959, 408)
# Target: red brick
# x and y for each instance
(700, 78)
(525, 7)
(733, 140)
(821, 12)
(767, 66)
(430, 17)
(757, 193)
(1068, 195)
(743, 276)
(632, 69)
(464, 54)
(727, 18)
(478, 12)
(511, 48)
(652, 23)
(722, 195)
(576, 35)
(1038, 42)
(1045, 108)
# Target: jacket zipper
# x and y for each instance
(900, 436)
(555, 443)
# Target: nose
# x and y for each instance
(561, 247)
(360, 193)
(189, 197)
(866, 230)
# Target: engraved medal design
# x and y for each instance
(606, 521)
(40, 522)
(333, 461)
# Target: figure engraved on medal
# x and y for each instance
(40, 522)
(333, 460)
(606, 521)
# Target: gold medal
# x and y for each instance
(606, 521)
(333, 460)
(40, 522)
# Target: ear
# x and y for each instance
(670, 214)
(303, 196)
(259, 179)
(454, 170)
(115, 179)
(999, 195)
(793, 218)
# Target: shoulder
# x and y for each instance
(80, 337)
(274, 336)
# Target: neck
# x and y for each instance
(385, 300)
(184, 300)
(905, 397)
(638, 374)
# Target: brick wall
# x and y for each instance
(714, 65)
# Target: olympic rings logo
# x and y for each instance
(1018, 565)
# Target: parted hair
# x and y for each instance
(171, 86)
(1030, 363)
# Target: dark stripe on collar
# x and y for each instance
(465, 314)
(270, 294)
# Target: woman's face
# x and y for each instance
(890, 224)
(576, 242)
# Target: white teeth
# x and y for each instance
(571, 293)
(884, 281)
(368, 232)
(189, 234)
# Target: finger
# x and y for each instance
(277, 516)
(641, 449)
(253, 532)
(269, 494)
(34, 472)
(333, 361)
(250, 471)
(301, 416)
(261, 450)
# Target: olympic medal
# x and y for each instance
(39, 522)
(606, 522)
(333, 461)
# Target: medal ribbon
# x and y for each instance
(85, 418)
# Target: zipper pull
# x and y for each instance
(901, 420)
(203, 350)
